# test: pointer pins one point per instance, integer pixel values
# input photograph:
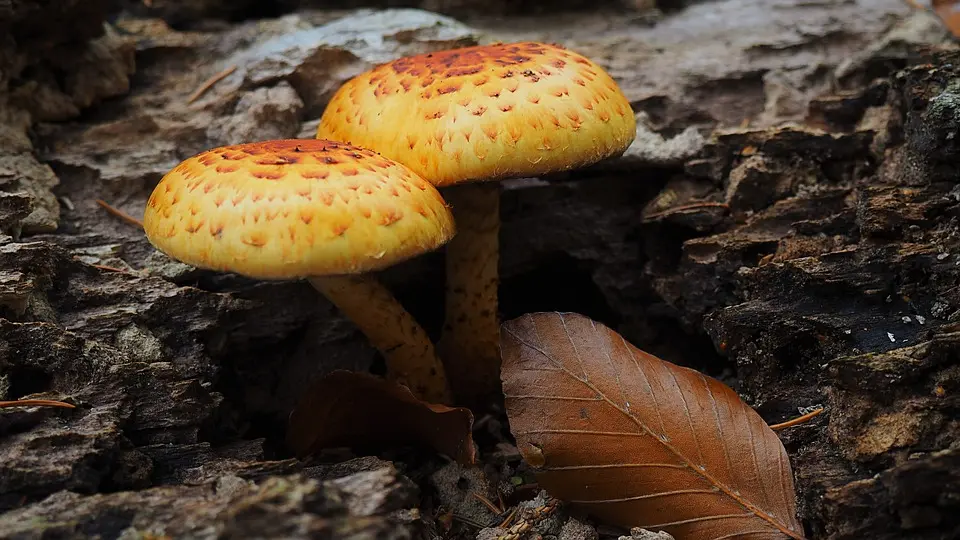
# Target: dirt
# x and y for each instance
(787, 220)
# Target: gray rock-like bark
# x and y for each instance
(279, 507)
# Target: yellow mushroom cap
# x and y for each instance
(484, 113)
(295, 208)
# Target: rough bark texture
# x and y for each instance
(187, 13)
(787, 220)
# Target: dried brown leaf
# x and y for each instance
(359, 410)
(640, 442)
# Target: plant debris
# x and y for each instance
(37, 403)
(358, 410)
(116, 212)
(638, 441)
(798, 420)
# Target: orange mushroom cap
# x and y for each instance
(295, 208)
(484, 113)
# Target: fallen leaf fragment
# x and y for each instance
(640, 442)
(359, 410)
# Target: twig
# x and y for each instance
(684, 208)
(529, 518)
(208, 84)
(797, 420)
(486, 502)
(37, 403)
(120, 213)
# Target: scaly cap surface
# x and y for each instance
(295, 208)
(484, 113)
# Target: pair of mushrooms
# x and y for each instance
(363, 195)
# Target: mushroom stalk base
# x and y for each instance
(410, 355)
(470, 344)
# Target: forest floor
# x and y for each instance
(786, 221)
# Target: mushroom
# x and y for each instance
(321, 210)
(468, 117)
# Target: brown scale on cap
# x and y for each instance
(295, 208)
(485, 112)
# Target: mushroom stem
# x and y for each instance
(410, 356)
(470, 343)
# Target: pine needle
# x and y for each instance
(208, 84)
(37, 403)
(119, 213)
(798, 420)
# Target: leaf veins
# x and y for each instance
(638, 441)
